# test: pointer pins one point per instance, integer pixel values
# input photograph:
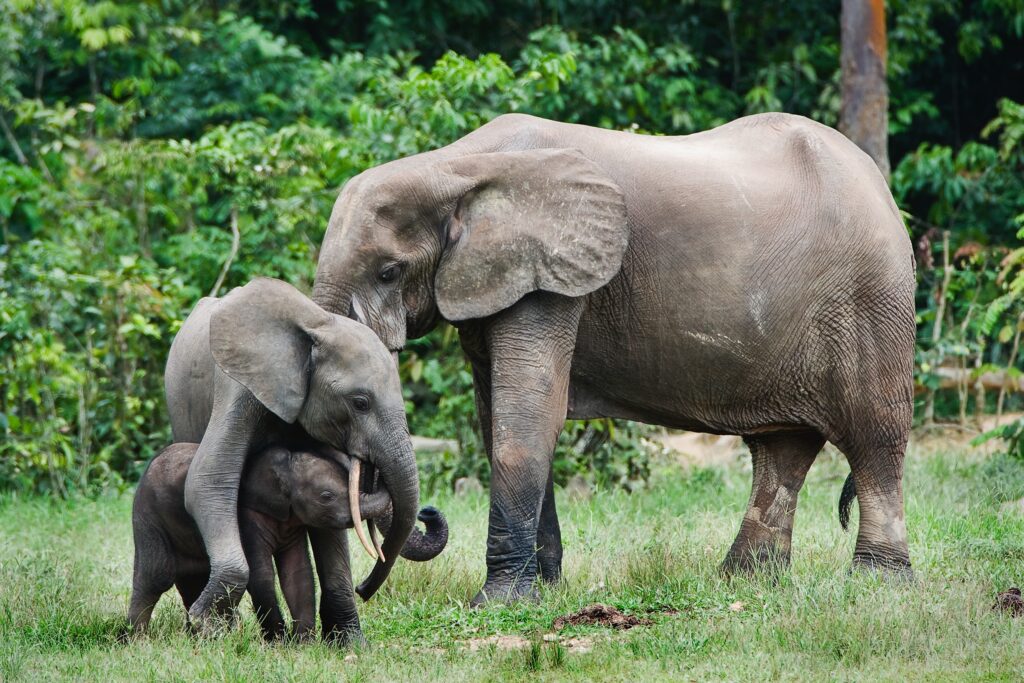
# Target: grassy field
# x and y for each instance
(65, 576)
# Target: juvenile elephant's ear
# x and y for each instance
(267, 484)
(261, 336)
(543, 219)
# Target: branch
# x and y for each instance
(13, 141)
(235, 238)
(940, 313)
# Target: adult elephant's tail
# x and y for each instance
(846, 501)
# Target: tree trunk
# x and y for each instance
(959, 377)
(864, 114)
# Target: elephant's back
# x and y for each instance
(759, 252)
(160, 499)
(189, 375)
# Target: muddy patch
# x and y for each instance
(1011, 602)
(600, 615)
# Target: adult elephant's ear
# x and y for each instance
(543, 219)
(261, 335)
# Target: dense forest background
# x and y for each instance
(155, 152)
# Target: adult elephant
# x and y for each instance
(754, 279)
(266, 366)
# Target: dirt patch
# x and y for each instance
(580, 644)
(944, 436)
(707, 450)
(499, 641)
(700, 450)
(1013, 507)
(1010, 601)
(600, 615)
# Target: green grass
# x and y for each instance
(65, 577)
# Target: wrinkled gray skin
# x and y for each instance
(754, 279)
(263, 366)
(281, 494)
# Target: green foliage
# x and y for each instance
(975, 197)
(79, 404)
(140, 140)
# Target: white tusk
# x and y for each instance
(357, 310)
(375, 539)
(353, 503)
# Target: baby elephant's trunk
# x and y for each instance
(421, 547)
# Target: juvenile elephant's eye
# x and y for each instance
(361, 403)
(389, 273)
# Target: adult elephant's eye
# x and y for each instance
(361, 403)
(327, 496)
(389, 273)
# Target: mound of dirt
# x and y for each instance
(600, 615)
(1010, 601)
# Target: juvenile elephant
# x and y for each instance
(754, 279)
(263, 366)
(281, 494)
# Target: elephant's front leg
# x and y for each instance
(338, 616)
(261, 587)
(211, 497)
(296, 574)
(549, 534)
(531, 348)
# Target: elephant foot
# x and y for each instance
(211, 625)
(344, 632)
(549, 569)
(760, 561)
(503, 592)
(215, 612)
(886, 565)
(758, 549)
(346, 638)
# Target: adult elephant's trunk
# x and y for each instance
(331, 296)
(421, 546)
(397, 467)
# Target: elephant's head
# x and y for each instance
(281, 483)
(466, 236)
(332, 376)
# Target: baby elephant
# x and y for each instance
(282, 493)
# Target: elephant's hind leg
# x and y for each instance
(549, 537)
(153, 576)
(780, 465)
(876, 460)
(190, 587)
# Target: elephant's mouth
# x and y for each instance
(365, 501)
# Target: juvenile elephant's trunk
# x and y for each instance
(421, 546)
(397, 468)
